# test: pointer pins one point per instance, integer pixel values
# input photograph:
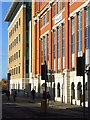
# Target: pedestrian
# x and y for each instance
(14, 95)
(33, 94)
(8, 95)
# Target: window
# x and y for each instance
(19, 37)
(19, 69)
(42, 51)
(19, 21)
(54, 9)
(44, 44)
(58, 6)
(19, 53)
(54, 50)
(54, 44)
(63, 40)
(14, 71)
(72, 44)
(13, 30)
(44, 19)
(63, 47)
(48, 43)
(17, 40)
(59, 48)
(79, 31)
(36, 1)
(15, 27)
(17, 24)
(16, 55)
(12, 44)
(87, 28)
(63, 5)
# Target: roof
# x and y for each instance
(10, 11)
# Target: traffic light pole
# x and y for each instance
(84, 86)
(45, 89)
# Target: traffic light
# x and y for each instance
(44, 72)
(80, 66)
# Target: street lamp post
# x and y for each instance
(63, 86)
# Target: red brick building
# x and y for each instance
(60, 34)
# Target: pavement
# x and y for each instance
(25, 107)
(37, 102)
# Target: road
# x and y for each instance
(32, 111)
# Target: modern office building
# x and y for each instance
(60, 33)
(19, 44)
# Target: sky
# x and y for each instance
(4, 6)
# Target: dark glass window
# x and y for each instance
(54, 44)
(72, 35)
(19, 21)
(54, 9)
(63, 40)
(79, 31)
(59, 48)
(19, 37)
(58, 6)
(87, 28)
(44, 19)
(44, 42)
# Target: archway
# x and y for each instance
(79, 91)
(72, 90)
(58, 89)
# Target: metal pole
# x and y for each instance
(45, 90)
(51, 87)
(84, 86)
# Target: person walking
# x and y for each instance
(33, 94)
(14, 95)
(8, 95)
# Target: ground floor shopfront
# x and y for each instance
(66, 87)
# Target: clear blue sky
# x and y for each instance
(4, 6)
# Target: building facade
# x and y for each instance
(19, 39)
(60, 33)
